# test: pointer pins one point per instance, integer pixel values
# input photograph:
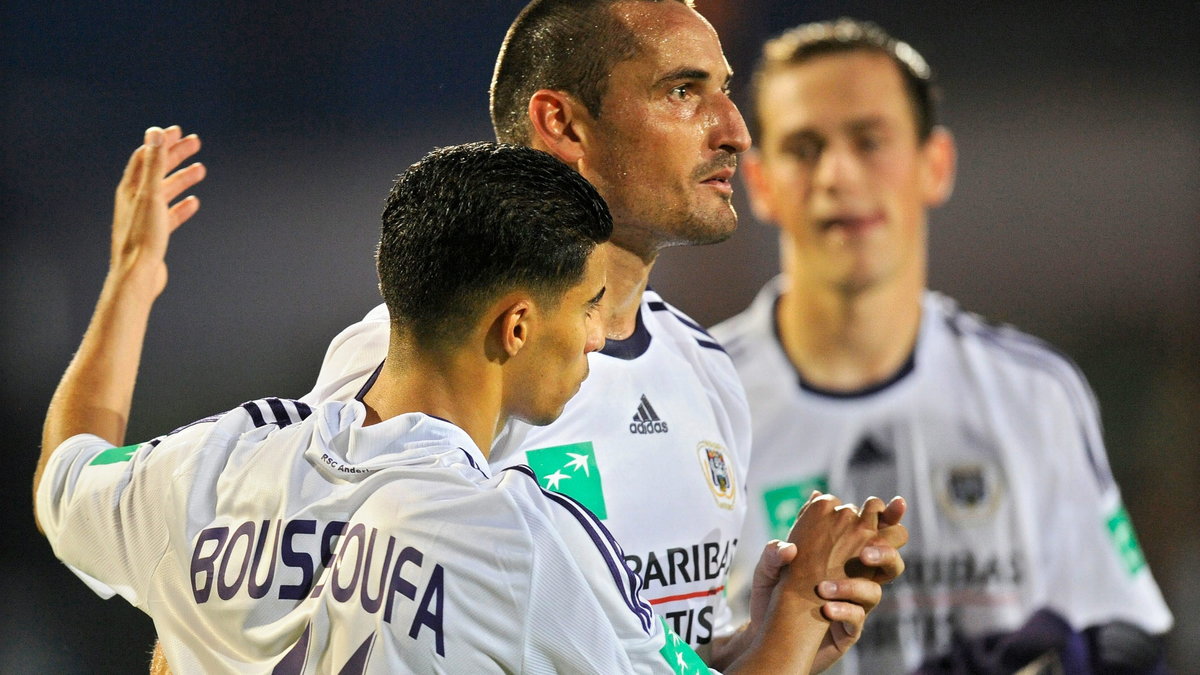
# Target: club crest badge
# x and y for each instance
(718, 471)
(969, 491)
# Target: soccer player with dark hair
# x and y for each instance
(634, 95)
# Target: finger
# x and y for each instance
(153, 161)
(884, 561)
(171, 135)
(181, 149)
(772, 561)
(870, 512)
(768, 562)
(894, 512)
(133, 170)
(862, 592)
(181, 212)
(182, 180)
(846, 623)
(787, 552)
(819, 500)
(767, 571)
(847, 507)
(895, 536)
(818, 497)
(845, 612)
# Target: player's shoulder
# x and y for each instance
(1002, 347)
(351, 357)
(228, 428)
(521, 485)
(695, 348)
(670, 322)
(271, 411)
(374, 323)
(581, 532)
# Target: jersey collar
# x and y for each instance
(633, 346)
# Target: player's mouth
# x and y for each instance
(853, 223)
(722, 180)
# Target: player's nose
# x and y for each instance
(730, 129)
(595, 335)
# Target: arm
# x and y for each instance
(95, 394)
(1097, 578)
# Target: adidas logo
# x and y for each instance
(646, 421)
(869, 453)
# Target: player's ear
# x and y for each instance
(512, 326)
(559, 124)
(758, 189)
(940, 160)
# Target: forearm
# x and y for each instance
(787, 642)
(725, 650)
(96, 391)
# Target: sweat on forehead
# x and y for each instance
(564, 45)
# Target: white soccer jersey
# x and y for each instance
(994, 440)
(269, 538)
(655, 443)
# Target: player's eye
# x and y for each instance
(802, 148)
(681, 92)
(869, 142)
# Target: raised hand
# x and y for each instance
(143, 216)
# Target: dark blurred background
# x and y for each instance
(1076, 217)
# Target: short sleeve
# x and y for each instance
(1097, 572)
(102, 510)
(579, 571)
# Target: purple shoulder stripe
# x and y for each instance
(628, 583)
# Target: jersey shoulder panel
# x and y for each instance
(714, 368)
(678, 323)
(578, 570)
(1045, 376)
(586, 536)
(351, 357)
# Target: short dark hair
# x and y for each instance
(470, 222)
(810, 40)
(566, 45)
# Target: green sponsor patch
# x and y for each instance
(1120, 528)
(115, 455)
(783, 503)
(571, 470)
(679, 654)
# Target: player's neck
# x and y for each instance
(848, 341)
(440, 385)
(628, 275)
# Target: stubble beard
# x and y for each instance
(695, 229)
